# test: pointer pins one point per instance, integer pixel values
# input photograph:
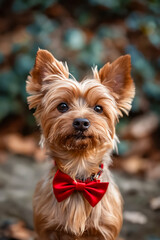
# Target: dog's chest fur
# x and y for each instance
(78, 216)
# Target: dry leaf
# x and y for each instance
(135, 217)
(18, 144)
(154, 172)
(155, 203)
(19, 231)
(141, 146)
(141, 126)
(40, 154)
(134, 165)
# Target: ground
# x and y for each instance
(19, 175)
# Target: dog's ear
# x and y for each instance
(46, 68)
(46, 64)
(117, 78)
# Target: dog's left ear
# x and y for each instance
(117, 78)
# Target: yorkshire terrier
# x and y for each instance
(78, 199)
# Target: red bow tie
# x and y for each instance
(64, 186)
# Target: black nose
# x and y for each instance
(81, 124)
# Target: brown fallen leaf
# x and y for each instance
(19, 231)
(141, 146)
(154, 172)
(40, 154)
(134, 164)
(18, 144)
(141, 126)
(155, 203)
(135, 217)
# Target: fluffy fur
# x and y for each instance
(50, 84)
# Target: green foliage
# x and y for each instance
(123, 147)
(1, 58)
(84, 35)
(110, 3)
(152, 90)
(110, 32)
(91, 54)
(23, 5)
(42, 25)
(140, 64)
(74, 39)
(148, 24)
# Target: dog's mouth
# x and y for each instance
(78, 141)
(79, 136)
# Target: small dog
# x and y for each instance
(78, 199)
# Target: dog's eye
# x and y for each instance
(98, 109)
(62, 107)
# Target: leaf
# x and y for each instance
(110, 32)
(155, 203)
(147, 24)
(23, 5)
(9, 106)
(19, 5)
(40, 154)
(134, 165)
(136, 104)
(5, 107)
(17, 144)
(135, 217)
(123, 147)
(152, 237)
(9, 83)
(152, 90)
(92, 53)
(42, 25)
(142, 126)
(48, 3)
(19, 231)
(23, 64)
(84, 17)
(74, 70)
(153, 173)
(140, 63)
(108, 3)
(1, 58)
(74, 39)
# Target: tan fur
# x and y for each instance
(113, 89)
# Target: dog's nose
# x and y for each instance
(81, 124)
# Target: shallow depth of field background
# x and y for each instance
(85, 34)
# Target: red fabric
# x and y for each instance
(64, 186)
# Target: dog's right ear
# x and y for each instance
(46, 65)
(46, 68)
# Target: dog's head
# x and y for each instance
(79, 116)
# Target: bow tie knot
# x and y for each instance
(64, 186)
(80, 186)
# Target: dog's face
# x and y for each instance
(79, 116)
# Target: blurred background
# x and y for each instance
(83, 33)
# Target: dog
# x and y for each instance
(78, 198)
